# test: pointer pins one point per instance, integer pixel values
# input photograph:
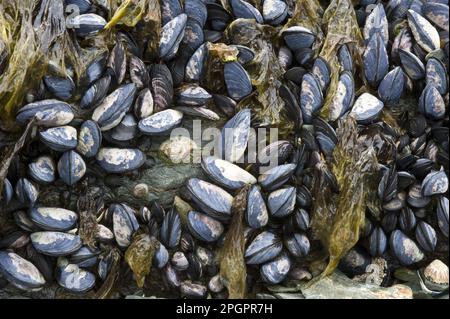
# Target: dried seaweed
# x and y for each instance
(139, 256)
(88, 222)
(337, 218)
(231, 256)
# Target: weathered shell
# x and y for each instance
(89, 139)
(226, 174)
(114, 107)
(52, 218)
(47, 113)
(415, 197)
(301, 219)
(355, 262)
(82, 5)
(161, 84)
(204, 227)
(192, 290)
(405, 249)
(171, 35)
(104, 234)
(407, 220)
(274, 11)
(345, 58)
(243, 9)
(20, 272)
(73, 278)
(376, 22)
(276, 177)
(143, 107)
(218, 17)
(257, 214)
(412, 65)
(161, 256)
(377, 242)
(194, 67)
(285, 57)
(281, 202)
(305, 57)
(179, 261)
(42, 170)
(60, 87)
(436, 74)
(71, 167)
(245, 54)
(61, 138)
(423, 32)
(275, 153)
(199, 112)
(170, 9)
(138, 72)
(431, 103)
(276, 270)
(426, 236)
(86, 25)
(211, 199)
(344, 96)
(437, 13)
(375, 60)
(436, 276)
(126, 130)
(26, 191)
(117, 63)
(125, 224)
(196, 9)
(298, 245)
(235, 135)
(54, 243)
(402, 41)
(265, 247)
(160, 123)
(311, 98)
(434, 183)
(96, 92)
(170, 232)
(116, 160)
(192, 94)
(7, 192)
(366, 108)
(321, 70)
(237, 81)
(442, 215)
(193, 38)
(298, 37)
(392, 86)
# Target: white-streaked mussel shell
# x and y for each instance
(281, 202)
(20, 272)
(71, 167)
(160, 123)
(366, 108)
(257, 215)
(73, 278)
(48, 113)
(53, 218)
(60, 139)
(203, 227)
(54, 243)
(275, 271)
(89, 139)
(120, 160)
(42, 170)
(235, 136)
(265, 247)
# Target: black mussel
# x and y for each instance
(161, 257)
(226, 104)
(7, 192)
(392, 86)
(311, 98)
(355, 262)
(54, 243)
(86, 25)
(226, 174)
(325, 135)
(442, 215)
(96, 92)
(245, 54)
(423, 32)
(212, 36)
(282, 202)
(179, 261)
(85, 257)
(193, 38)
(426, 236)
(218, 17)
(275, 153)
(160, 123)
(71, 167)
(104, 234)
(60, 87)
(73, 278)
(161, 85)
(196, 9)
(46, 113)
(298, 245)
(366, 108)
(26, 191)
(396, 203)
(321, 70)
(237, 80)
(20, 272)
(276, 270)
(171, 276)
(124, 223)
(243, 9)
(403, 41)
(274, 11)
(301, 219)
(436, 74)
(138, 73)
(215, 284)
(126, 130)
(416, 198)
(345, 58)
(257, 214)
(304, 197)
(195, 64)
(170, 232)
(192, 290)
(387, 188)
(375, 60)
(292, 106)
(23, 220)
(14, 240)
(94, 70)
(43, 263)
(298, 37)
(42, 170)
(235, 135)
(114, 107)
(407, 220)
(89, 139)
(389, 222)
(276, 177)
(203, 227)
(376, 22)
(417, 125)
(265, 247)
(193, 95)
(431, 103)
(285, 57)
(405, 249)
(436, 182)
(170, 9)
(52, 218)
(377, 242)
(60, 139)
(295, 74)
(120, 160)
(412, 65)
(143, 107)
(199, 111)
(305, 57)
(171, 35)
(436, 13)
(344, 97)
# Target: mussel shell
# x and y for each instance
(169, 10)
(355, 262)
(211, 199)
(311, 98)
(86, 25)
(89, 139)
(192, 94)
(138, 73)
(94, 70)
(436, 74)
(276, 270)
(285, 57)
(161, 256)
(52, 218)
(322, 71)
(60, 87)
(84, 256)
(237, 81)
(435, 183)
(298, 245)
(171, 35)
(437, 13)
(412, 65)
(426, 236)
(42, 170)
(203, 227)
(366, 108)
(344, 96)
(54, 243)
(431, 103)
(245, 54)
(442, 215)
(7, 192)
(179, 261)
(71, 167)
(73, 278)
(26, 191)
(96, 92)
(125, 224)
(375, 60)
(143, 107)
(116, 160)
(423, 32)
(61, 138)
(298, 37)
(170, 232)
(377, 242)
(416, 198)
(392, 86)
(407, 220)
(47, 113)
(276, 177)
(376, 22)
(265, 247)
(161, 84)
(194, 67)
(235, 136)
(199, 112)
(114, 107)
(126, 130)
(345, 58)
(196, 9)
(192, 290)
(243, 9)
(274, 11)
(282, 202)
(20, 272)
(405, 249)
(193, 38)
(256, 214)
(82, 5)
(160, 123)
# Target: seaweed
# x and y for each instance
(88, 222)
(183, 209)
(108, 285)
(233, 270)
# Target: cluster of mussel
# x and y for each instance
(124, 99)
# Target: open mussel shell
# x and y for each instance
(194, 66)
(60, 87)
(86, 25)
(311, 98)
(170, 232)
(366, 108)
(235, 135)
(125, 223)
(435, 183)
(114, 107)
(96, 92)
(55, 244)
(442, 215)
(276, 270)
(276, 177)
(282, 202)
(298, 37)
(265, 247)
(243, 9)
(20, 272)
(375, 60)
(377, 242)
(89, 139)
(7, 192)
(160, 123)
(376, 22)
(73, 278)
(226, 174)
(171, 35)
(436, 74)
(192, 94)
(52, 218)
(298, 244)
(26, 191)
(203, 227)
(237, 81)
(431, 103)
(120, 160)
(60, 139)
(274, 11)
(405, 249)
(211, 199)
(423, 32)
(47, 113)
(257, 214)
(42, 170)
(412, 65)
(71, 167)
(426, 236)
(392, 86)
